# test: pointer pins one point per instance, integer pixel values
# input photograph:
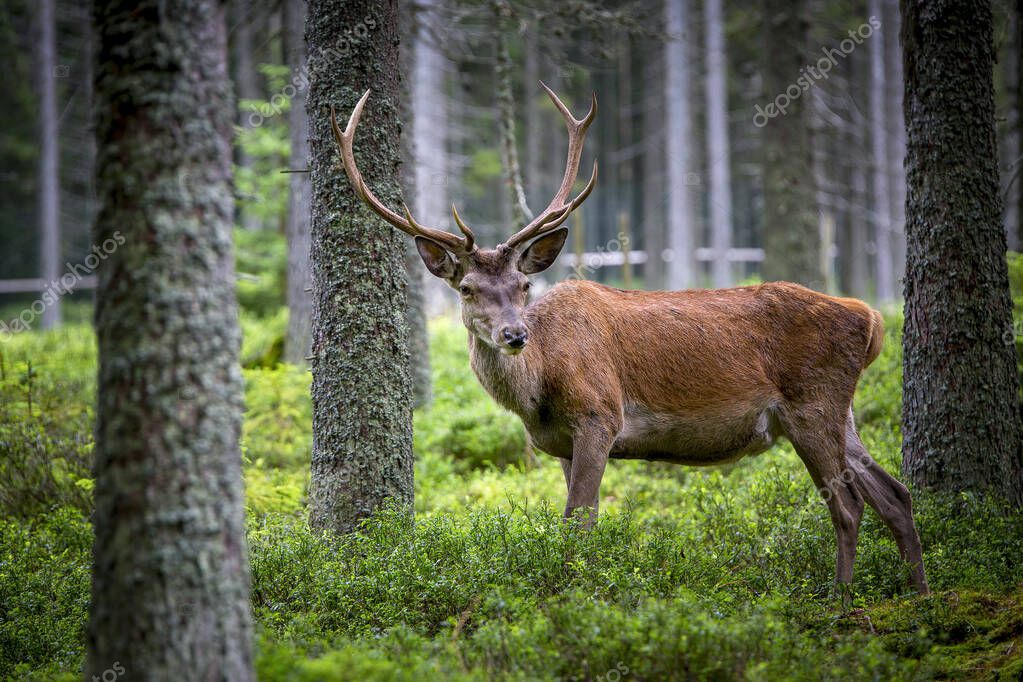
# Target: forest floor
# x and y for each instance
(717, 573)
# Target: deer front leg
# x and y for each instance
(590, 449)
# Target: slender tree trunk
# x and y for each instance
(791, 235)
(534, 129)
(246, 79)
(653, 169)
(362, 389)
(858, 231)
(515, 193)
(961, 411)
(896, 145)
(679, 133)
(881, 211)
(419, 338)
(718, 156)
(170, 585)
(49, 150)
(298, 341)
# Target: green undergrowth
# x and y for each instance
(719, 573)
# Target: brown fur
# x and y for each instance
(694, 377)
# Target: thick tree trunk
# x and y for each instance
(170, 592)
(362, 390)
(718, 157)
(49, 150)
(679, 133)
(298, 341)
(791, 237)
(961, 412)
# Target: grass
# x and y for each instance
(720, 573)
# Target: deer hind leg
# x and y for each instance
(822, 449)
(890, 499)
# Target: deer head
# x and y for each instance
(493, 283)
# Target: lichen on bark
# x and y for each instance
(362, 388)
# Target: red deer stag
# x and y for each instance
(694, 377)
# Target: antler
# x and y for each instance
(458, 245)
(558, 211)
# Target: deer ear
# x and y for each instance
(438, 261)
(542, 253)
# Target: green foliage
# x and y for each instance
(720, 573)
(44, 593)
(1016, 287)
(261, 262)
(46, 415)
(261, 187)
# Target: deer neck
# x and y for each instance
(511, 380)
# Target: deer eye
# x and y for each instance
(526, 285)
(465, 290)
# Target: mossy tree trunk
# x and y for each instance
(170, 590)
(792, 242)
(362, 388)
(961, 412)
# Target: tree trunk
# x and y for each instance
(961, 412)
(298, 341)
(653, 169)
(679, 133)
(515, 194)
(718, 157)
(49, 150)
(362, 390)
(791, 236)
(246, 81)
(896, 145)
(881, 210)
(415, 311)
(170, 585)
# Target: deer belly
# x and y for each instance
(710, 437)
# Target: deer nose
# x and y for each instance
(515, 338)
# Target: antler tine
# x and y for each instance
(470, 238)
(345, 141)
(557, 210)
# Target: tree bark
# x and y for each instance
(791, 238)
(298, 339)
(961, 411)
(679, 133)
(1013, 144)
(170, 586)
(49, 150)
(362, 390)
(718, 156)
